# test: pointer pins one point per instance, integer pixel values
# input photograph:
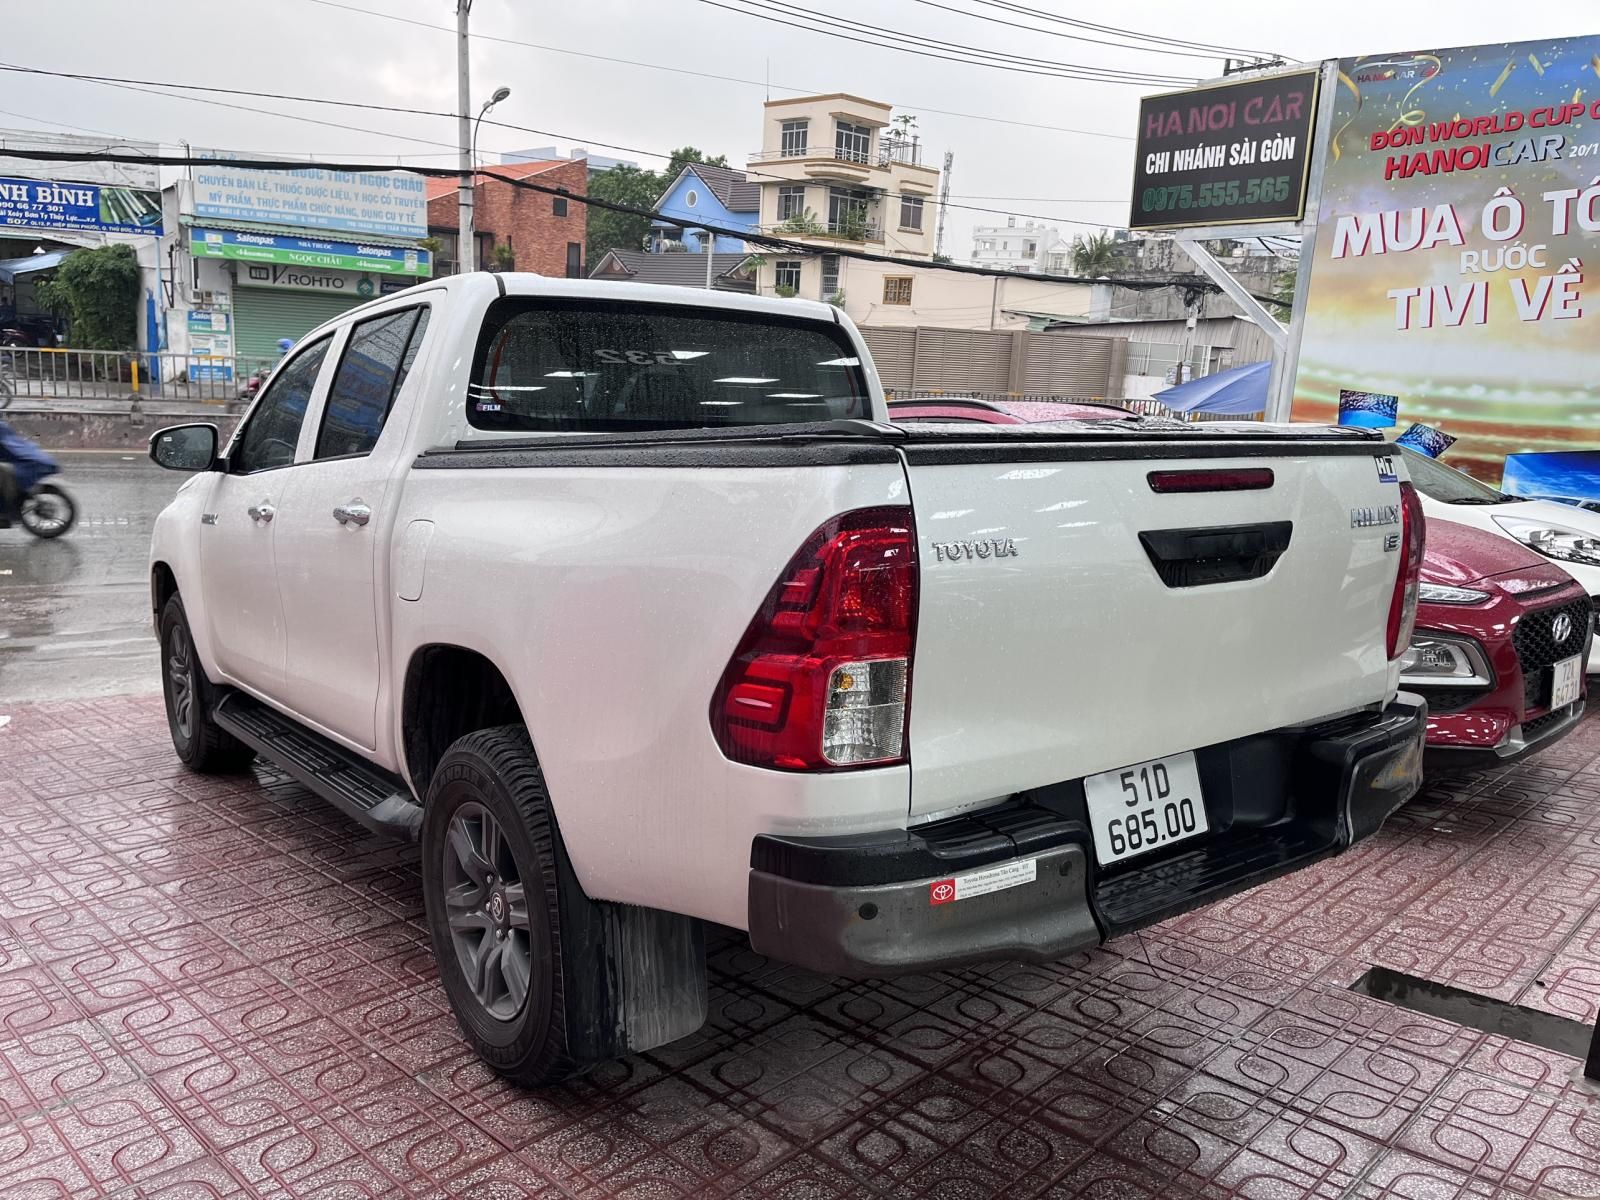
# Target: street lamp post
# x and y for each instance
(468, 235)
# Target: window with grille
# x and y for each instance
(852, 143)
(830, 276)
(794, 138)
(897, 289)
(791, 202)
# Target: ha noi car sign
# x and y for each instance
(1229, 154)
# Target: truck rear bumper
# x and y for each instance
(1020, 880)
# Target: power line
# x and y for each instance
(1077, 23)
(763, 240)
(1077, 37)
(877, 38)
(756, 83)
(152, 87)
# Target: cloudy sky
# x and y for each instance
(1033, 145)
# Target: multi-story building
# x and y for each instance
(835, 173)
(1028, 248)
(517, 228)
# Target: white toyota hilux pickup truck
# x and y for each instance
(629, 604)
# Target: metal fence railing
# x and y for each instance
(64, 375)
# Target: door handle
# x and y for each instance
(354, 513)
(261, 512)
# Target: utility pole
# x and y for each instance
(466, 239)
(711, 257)
(944, 203)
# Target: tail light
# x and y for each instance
(822, 677)
(1403, 605)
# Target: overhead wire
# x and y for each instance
(1077, 37)
(1079, 23)
(879, 39)
(758, 83)
(153, 87)
(763, 240)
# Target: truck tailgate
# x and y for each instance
(1073, 619)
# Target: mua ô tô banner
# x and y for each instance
(1457, 248)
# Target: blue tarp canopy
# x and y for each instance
(10, 268)
(1240, 391)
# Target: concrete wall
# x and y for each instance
(61, 429)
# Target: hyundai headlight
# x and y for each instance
(1553, 541)
(1440, 660)
(1438, 593)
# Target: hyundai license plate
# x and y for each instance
(1568, 681)
(1144, 807)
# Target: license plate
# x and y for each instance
(1144, 807)
(1568, 681)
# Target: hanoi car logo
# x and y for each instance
(1560, 628)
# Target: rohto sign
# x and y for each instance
(1231, 154)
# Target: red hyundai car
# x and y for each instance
(1501, 648)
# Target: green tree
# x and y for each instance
(638, 189)
(1282, 305)
(99, 291)
(1093, 255)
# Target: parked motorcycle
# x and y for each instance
(253, 384)
(44, 509)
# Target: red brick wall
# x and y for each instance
(525, 220)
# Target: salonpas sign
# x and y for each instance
(309, 252)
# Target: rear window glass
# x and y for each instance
(553, 366)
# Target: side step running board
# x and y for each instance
(363, 792)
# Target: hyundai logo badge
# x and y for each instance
(1561, 628)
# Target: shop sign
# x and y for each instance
(394, 203)
(49, 204)
(1229, 154)
(309, 252)
(1459, 221)
(307, 279)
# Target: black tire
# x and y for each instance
(201, 743)
(494, 773)
(48, 511)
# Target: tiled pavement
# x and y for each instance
(220, 988)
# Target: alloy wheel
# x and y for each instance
(180, 681)
(487, 908)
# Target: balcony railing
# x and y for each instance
(841, 231)
(887, 151)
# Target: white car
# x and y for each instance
(1564, 533)
(630, 604)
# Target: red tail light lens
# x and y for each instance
(1403, 605)
(822, 677)
(1247, 479)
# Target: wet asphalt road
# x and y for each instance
(75, 612)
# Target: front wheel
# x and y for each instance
(48, 511)
(201, 743)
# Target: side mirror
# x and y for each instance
(184, 447)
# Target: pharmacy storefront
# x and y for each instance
(274, 254)
(286, 285)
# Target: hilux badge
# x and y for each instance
(1379, 514)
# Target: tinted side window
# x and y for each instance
(269, 439)
(376, 359)
(553, 365)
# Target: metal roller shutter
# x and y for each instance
(963, 360)
(263, 315)
(1063, 365)
(894, 353)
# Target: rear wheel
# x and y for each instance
(490, 875)
(48, 511)
(201, 743)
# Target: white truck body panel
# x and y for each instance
(1073, 657)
